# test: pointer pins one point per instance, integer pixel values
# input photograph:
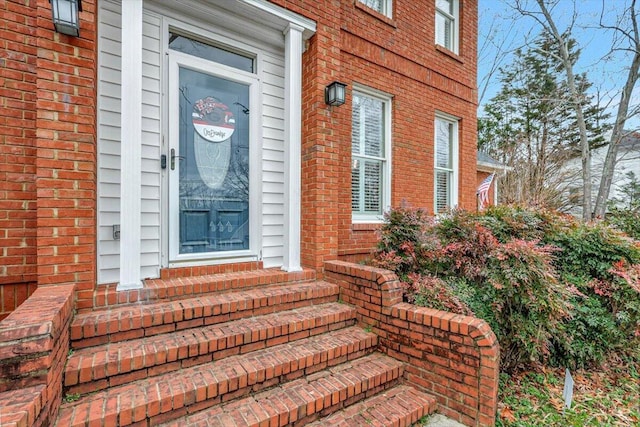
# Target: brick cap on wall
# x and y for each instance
(387, 280)
(44, 313)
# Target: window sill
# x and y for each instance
(449, 53)
(374, 13)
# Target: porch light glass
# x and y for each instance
(65, 16)
(334, 94)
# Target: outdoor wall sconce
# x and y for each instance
(65, 16)
(334, 94)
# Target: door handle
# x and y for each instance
(173, 158)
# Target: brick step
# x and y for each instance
(135, 321)
(303, 400)
(171, 395)
(398, 407)
(22, 407)
(112, 364)
(204, 281)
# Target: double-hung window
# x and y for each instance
(380, 6)
(370, 152)
(447, 17)
(446, 163)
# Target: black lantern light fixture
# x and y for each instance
(65, 16)
(334, 94)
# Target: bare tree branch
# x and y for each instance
(633, 36)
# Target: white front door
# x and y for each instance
(212, 194)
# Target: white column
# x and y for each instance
(130, 145)
(292, 145)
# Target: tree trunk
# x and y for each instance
(577, 104)
(621, 118)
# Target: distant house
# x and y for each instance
(628, 161)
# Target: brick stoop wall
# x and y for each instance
(34, 343)
(290, 353)
(453, 357)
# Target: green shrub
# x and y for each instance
(550, 287)
(625, 220)
(598, 264)
(458, 264)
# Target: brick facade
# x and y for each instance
(48, 132)
(17, 153)
(48, 237)
(355, 44)
(47, 151)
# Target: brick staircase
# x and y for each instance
(233, 350)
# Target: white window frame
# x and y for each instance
(387, 7)
(455, 18)
(455, 161)
(358, 217)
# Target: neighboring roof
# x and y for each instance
(486, 163)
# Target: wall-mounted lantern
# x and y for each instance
(65, 16)
(334, 94)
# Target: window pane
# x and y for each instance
(443, 180)
(374, 4)
(213, 163)
(443, 144)
(355, 186)
(356, 123)
(372, 186)
(212, 53)
(374, 118)
(367, 130)
(368, 133)
(444, 29)
(445, 5)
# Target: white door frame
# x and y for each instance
(176, 61)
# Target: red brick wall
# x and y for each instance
(66, 150)
(17, 153)
(47, 151)
(12, 295)
(453, 357)
(354, 44)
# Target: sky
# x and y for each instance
(502, 28)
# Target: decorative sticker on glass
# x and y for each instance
(213, 120)
(214, 124)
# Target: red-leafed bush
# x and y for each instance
(552, 289)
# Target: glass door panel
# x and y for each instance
(213, 157)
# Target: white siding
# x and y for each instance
(273, 160)
(271, 68)
(109, 143)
